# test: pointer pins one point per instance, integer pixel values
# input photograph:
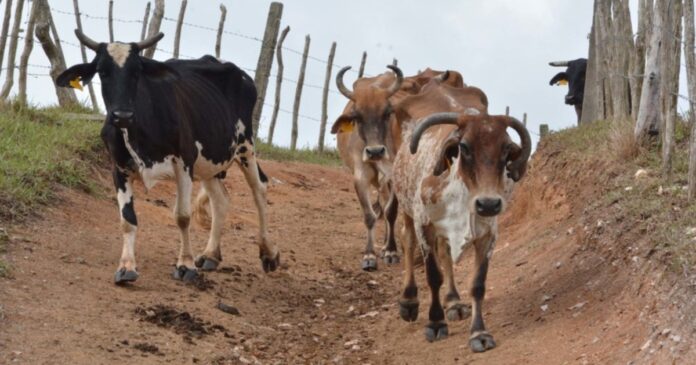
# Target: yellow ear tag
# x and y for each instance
(562, 82)
(75, 83)
(346, 127)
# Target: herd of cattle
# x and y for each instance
(426, 143)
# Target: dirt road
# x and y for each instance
(549, 299)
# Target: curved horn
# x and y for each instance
(87, 41)
(559, 63)
(399, 80)
(431, 120)
(518, 166)
(342, 87)
(443, 76)
(149, 42)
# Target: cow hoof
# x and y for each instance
(269, 264)
(436, 331)
(390, 257)
(458, 312)
(185, 274)
(206, 263)
(123, 276)
(408, 310)
(481, 342)
(369, 263)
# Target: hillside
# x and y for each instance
(593, 265)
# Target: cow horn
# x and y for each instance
(518, 166)
(149, 42)
(87, 41)
(431, 120)
(399, 79)
(342, 87)
(559, 63)
(443, 76)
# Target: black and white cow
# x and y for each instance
(574, 76)
(182, 119)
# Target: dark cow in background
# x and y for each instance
(574, 76)
(182, 119)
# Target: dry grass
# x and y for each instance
(623, 142)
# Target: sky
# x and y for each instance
(500, 46)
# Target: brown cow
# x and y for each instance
(452, 179)
(368, 137)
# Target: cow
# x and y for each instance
(367, 140)
(452, 176)
(182, 119)
(574, 76)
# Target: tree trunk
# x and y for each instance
(649, 112)
(92, 95)
(325, 97)
(5, 29)
(670, 85)
(298, 96)
(24, 59)
(638, 58)
(361, 71)
(145, 18)
(179, 24)
(221, 28)
(279, 82)
(111, 21)
(690, 59)
(155, 24)
(9, 79)
(265, 62)
(622, 48)
(593, 102)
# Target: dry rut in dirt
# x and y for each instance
(547, 301)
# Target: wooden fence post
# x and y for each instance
(92, 96)
(395, 62)
(179, 24)
(54, 53)
(524, 119)
(145, 18)
(111, 21)
(154, 28)
(690, 59)
(298, 95)
(265, 62)
(24, 59)
(279, 81)
(325, 97)
(5, 29)
(507, 111)
(9, 79)
(221, 28)
(362, 65)
(543, 130)
(649, 109)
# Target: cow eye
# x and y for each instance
(465, 150)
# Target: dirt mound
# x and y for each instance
(180, 322)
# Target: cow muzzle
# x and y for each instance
(570, 100)
(374, 153)
(122, 118)
(489, 207)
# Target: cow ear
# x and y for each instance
(561, 78)
(343, 124)
(72, 76)
(158, 70)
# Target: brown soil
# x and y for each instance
(556, 294)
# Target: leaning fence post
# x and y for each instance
(221, 28)
(279, 81)
(361, 71)
(395, 62)
(9, 79)
(507, 111)
(145, 18)
(5, 29)
(263, 66)
(543, 130)
(24, 59)
(179, 24)
(524, 119)
(111, 21)
(325, 97)
(298, 95)
(92, 96)
(154, 28)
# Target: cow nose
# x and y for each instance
(123, 114)
(375, 153)
(569, 99)
(487, 207)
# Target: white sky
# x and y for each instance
(501, 46)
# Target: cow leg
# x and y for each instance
(454, 308)
(127, 270)
(436, 329)
(480, 340)
(185, 268)
(578, 111)
(408, 304)
(219, 203)
(389, 253)
(362, 189)
(257, 180)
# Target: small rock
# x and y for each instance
(558, 264)
(351, 309)
(372, 283)
(691, 231)
(228, 309)
(570, 231)
(285, 326)
(641, 173)
(355, 348)
(660, 190)
(371, 314)
(277, 181)
(600, 223)
(578, 306)
(545, 298)
(319, 302)
(150, 313)
(646, 344)
(544, 307)
(628, 188)
(351, 343)
(675, 338)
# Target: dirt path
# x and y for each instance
(549, 300)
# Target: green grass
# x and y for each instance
(270, 152)
(38, 150)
